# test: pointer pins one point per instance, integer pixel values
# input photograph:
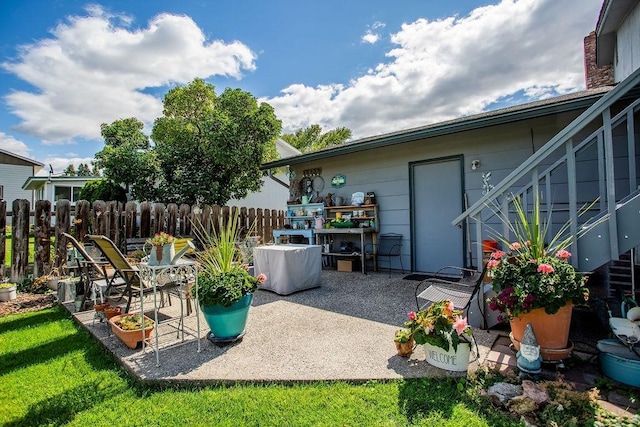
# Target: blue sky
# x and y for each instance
(374, 66)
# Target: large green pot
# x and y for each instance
(227, 324)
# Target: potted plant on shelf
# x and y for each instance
(534, 282)
(445, 334)
(225, 287)
(162, 249)
(132, 328)
(404, 342)
(8, 291)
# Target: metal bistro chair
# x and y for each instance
(456, 284)
(389, 246)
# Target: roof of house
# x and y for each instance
(24, 159)
(35, 182)
(511, 114)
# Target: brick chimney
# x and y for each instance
(595, 76)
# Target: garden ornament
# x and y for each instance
(528, 358)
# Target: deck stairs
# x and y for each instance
(594, 162)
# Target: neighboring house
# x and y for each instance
(14, 169)
(428, 181)
(275, 191)
(56, 187)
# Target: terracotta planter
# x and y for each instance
(131, 338)
(102, 307)
(489, 245)
(405, 349)
(112, 311)
(551, 330)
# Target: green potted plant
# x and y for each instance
(132, 328)
(535, 283)
(225, 287)
(444, 333)
(8, 291)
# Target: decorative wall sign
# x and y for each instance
(338, 181)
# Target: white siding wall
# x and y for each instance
(12, 177)
(271, 196)
(385, 171)
(627, 58)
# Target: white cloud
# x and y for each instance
(370, 38)
(452, 67)
(94, 69)
(15, 146)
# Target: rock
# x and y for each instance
(534, 392)
(503, 392)
(522, 405)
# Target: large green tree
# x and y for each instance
(209, 147)
(102, 189)
(312, 138)
(127, 158)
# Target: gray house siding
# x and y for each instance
(385, 170)
(628, 41)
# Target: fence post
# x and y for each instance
(3, 235)
(81, 221)
(172, 219)
(158, 218)
(185, 220)
(20, 239)
(63, 225)
(145, 219)
(99, 207)
(260, 225)
(42, 238)
(130, 220)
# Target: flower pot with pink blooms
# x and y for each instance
(445, 335)
(535, 283)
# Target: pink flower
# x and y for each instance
(262, 278)
(493, 263)
(515, 246)
(412, 315)
(563, 254)
(498, 254)
(450, 307)
(545, 269)
(460, 324)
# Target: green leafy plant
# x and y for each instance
(132, 322)
(533, 273)
(7, 285)
(440, 325)
(403, 335)
(223, 278)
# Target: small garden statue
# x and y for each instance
(528, 357)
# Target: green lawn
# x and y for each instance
(53, 373)
(8, 251)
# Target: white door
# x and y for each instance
(436, 200)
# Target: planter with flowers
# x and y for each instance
(535, 283)
(162, 249)
(132, 328)
(445, 334)
(225, 287)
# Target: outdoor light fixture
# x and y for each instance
(475, 164)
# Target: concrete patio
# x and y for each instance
(341, 331)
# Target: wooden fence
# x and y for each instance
(113, 220)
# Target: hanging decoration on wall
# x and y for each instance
(338, 181)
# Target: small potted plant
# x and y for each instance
(404, 342)
(162, 251)
(445, 334)
(8, 291)
(129, 328)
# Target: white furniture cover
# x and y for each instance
(289, 268)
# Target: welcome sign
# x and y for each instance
(449, 360)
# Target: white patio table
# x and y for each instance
(289, 268)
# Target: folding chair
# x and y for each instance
(125, 270)
(456, 284)
(389, 246)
